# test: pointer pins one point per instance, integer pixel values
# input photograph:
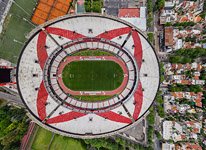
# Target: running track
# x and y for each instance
(80, 58)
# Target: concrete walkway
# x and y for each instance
(11, 99)
(6, 11)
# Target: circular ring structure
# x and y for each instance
(56, 62)
(53, 45)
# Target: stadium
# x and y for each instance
(87, 76)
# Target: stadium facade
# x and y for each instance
(52, 105)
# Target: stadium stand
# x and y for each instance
(50, 9)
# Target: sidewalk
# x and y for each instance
(27, 136)
(6, 11)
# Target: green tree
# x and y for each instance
(13, 126)
(160, 4)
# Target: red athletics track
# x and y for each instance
(80, 58)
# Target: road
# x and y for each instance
(11, 98)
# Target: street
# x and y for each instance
(11, 98)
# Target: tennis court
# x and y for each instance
(50, 9)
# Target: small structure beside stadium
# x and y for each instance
(87, 76)
(7, 74)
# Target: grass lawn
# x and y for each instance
(15, 28)
(66, 143)
(92, 53)
(42, 139)
(93, 5)
(92, 75)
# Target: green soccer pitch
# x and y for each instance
(92, 75)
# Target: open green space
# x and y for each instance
(92, 75)
(44, 138)
(187, 55)
(64, 143)
(92, 53)
(16, 28)
(13, 126)
(93, 5)
(151, 37)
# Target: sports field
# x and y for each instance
(44, 138)
(16, 28)
(92, 75)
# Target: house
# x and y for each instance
(112, 6)
(188, 146)
(172, 130)
(168, 146)
(198, 82)
(168, 14)
(191, 96)
(172, 106)
(168, 38)
(181, 131)
(172, 102)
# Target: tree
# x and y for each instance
(13, 126)
(187, 55)
(160, 4)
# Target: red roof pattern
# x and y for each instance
(129, 12)
(168, 36)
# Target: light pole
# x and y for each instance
(29, 22)
(16, 41)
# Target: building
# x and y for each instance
(7, 73)
(172, 130)
(135, 16)
(168, 14)
(54, 106)
(181, 131)
(168, 146)
(112, 6)
(190, 11)
(181, 146)
(168, 38)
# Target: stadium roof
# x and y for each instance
(48, 103)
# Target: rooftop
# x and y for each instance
(168, 36)
(65, 115)
(129, 12)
